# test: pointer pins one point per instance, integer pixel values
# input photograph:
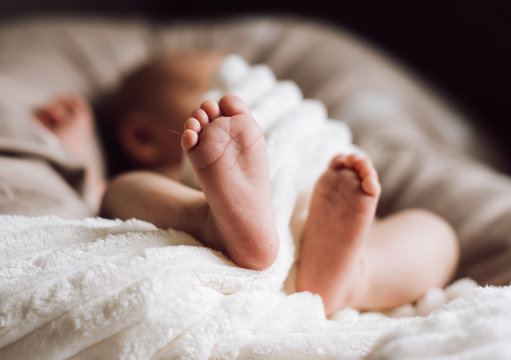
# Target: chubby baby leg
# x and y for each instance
(351, 259)
(408, 253)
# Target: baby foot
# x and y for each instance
(227, 150)
(342, 210)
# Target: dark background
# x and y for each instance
(463, 48)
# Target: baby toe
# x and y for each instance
(189, 140)
(192, 124)
(337, 162)
(365, 168)
(371, 186)
(211, 109)
(201, 116)
(231, 105)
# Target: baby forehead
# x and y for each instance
(168, 69)
(191, 71)
(188, 62)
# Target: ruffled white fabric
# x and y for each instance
(110, 289)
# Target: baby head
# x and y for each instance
(152, 99)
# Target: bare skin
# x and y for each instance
(352, 259)
(341, 215)
(227, 150)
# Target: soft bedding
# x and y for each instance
(105, 289)
(97, 288)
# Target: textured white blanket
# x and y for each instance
(105, 289)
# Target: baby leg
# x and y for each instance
(351, 260)
(407, 253)
(155, 198)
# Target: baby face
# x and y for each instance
(184, 80)
(157, 97)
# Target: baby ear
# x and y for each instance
(138, 138)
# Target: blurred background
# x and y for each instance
(462, 48)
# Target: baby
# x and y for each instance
(347, 255)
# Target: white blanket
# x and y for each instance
(105, 289)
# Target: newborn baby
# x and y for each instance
(347, 256)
